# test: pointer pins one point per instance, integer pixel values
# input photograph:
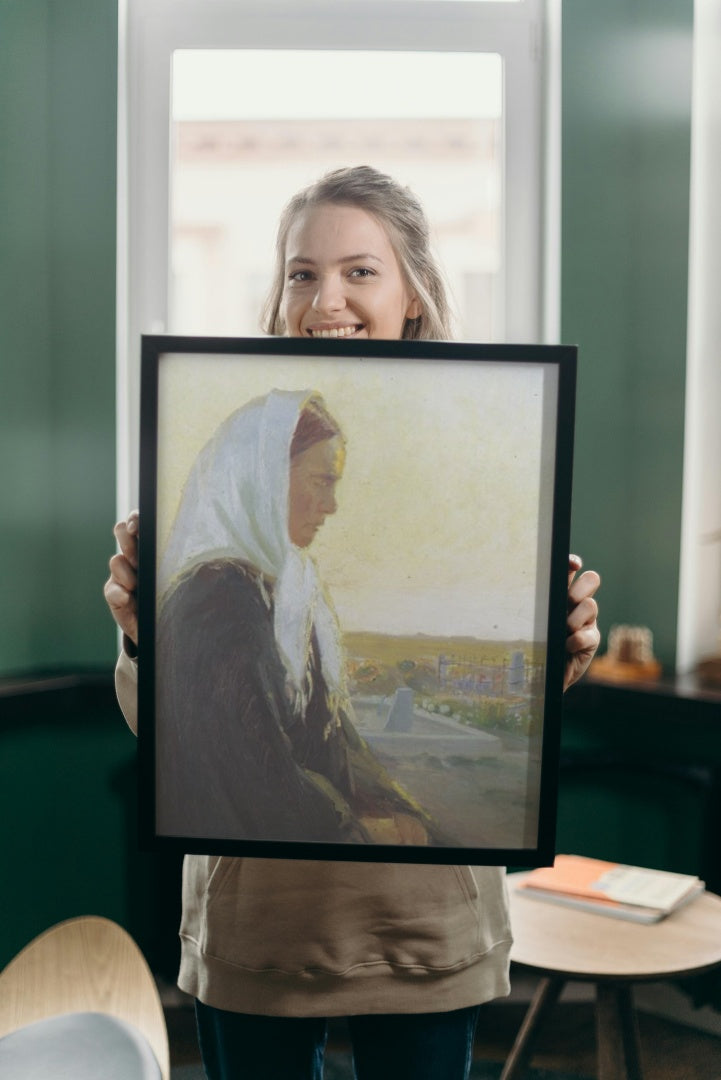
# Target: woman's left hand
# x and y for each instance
(583, 636)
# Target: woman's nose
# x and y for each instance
(328, 505)
(329, 295)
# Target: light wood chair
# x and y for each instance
(85, 965)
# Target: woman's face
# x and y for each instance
(314, 474)
(342, 277)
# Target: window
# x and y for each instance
(236, 161)
(699, 624)
(227, 107)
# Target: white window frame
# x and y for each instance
(699, 598)
(526, 34)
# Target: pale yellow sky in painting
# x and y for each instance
(437, 529)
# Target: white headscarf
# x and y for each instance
(235, 506)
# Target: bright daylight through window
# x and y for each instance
(237, 156)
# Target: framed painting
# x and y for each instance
(352, 597)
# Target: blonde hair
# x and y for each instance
(403, 217)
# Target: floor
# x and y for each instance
(670, 1051)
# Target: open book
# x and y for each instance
(607, 888)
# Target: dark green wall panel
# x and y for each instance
(68, 800)
(60, 788)
(58, 79)
(626, 145)
(25, 395)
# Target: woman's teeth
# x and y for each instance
(337, 331)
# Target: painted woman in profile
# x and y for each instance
(253, 736)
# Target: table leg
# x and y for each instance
(545, 997)
(617, 1033)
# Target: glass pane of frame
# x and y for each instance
(352, 597)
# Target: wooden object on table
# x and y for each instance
(88, 964)
(709, 671)
(630, 656)
(625, 671)
(564, 945)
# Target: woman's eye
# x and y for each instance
(362, 272)
(300, 276)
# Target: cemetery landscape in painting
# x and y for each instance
(457, 722)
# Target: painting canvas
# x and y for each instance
(353, 572)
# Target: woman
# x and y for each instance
(270, 949)
(249, 642)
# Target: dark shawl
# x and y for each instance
(232, 758)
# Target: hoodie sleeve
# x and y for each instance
(126, 689)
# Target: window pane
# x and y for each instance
(252, 127)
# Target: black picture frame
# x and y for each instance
(449, 577)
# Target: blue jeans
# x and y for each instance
(414, 1046)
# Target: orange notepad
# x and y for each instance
(626, 892)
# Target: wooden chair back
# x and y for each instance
(87, 964)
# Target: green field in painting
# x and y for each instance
(394, 649)
(482, 794)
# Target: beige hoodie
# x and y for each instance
(297, 938)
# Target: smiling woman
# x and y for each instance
(446, 133)
(353, 259)
(343, 277)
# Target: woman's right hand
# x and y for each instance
(121, 587)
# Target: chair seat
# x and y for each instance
(78, 1046)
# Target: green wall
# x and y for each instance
(626, 135)
(58, 75)
(67, 761)
(626, 145)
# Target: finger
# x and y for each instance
(123, 573)
(585, 585)
(122, 608)
(584, 613)
(576, 666)
(575, 563)
(118, 598)
(122, 605)
(126, 534)
(586, 640)
(581, 651)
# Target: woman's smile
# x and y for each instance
(324, 331)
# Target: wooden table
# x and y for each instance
(563, 944)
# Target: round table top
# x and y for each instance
(559, 940)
